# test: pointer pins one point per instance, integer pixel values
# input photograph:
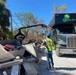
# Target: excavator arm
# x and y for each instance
(43, 25)
(22, 35)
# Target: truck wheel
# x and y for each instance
(57, 52)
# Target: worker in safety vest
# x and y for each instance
(49, 48)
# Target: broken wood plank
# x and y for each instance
(19, 52)
(10, 63)
(30, 69)
(32, 50)
(4, 55)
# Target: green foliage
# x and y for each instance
(55, 8)
(63, 8)
(4, 18)
(27, 19)
(59, 9)
(2, 2)
(10, 35)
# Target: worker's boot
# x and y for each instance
(48, 68)
(52, 67)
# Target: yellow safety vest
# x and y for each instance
(49, 44)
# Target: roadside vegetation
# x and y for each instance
(22, 19)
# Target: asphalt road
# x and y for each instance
(65, 65)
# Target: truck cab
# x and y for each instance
(63, 29)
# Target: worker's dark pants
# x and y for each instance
(49, 57)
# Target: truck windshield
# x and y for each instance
(67, 29)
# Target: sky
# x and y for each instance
(42, 9)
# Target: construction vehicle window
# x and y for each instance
(65, 29)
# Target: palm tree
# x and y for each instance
(59, 9)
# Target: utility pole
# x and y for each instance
(11, 24)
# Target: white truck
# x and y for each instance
(63, 29)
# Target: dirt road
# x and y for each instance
(64, 65)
